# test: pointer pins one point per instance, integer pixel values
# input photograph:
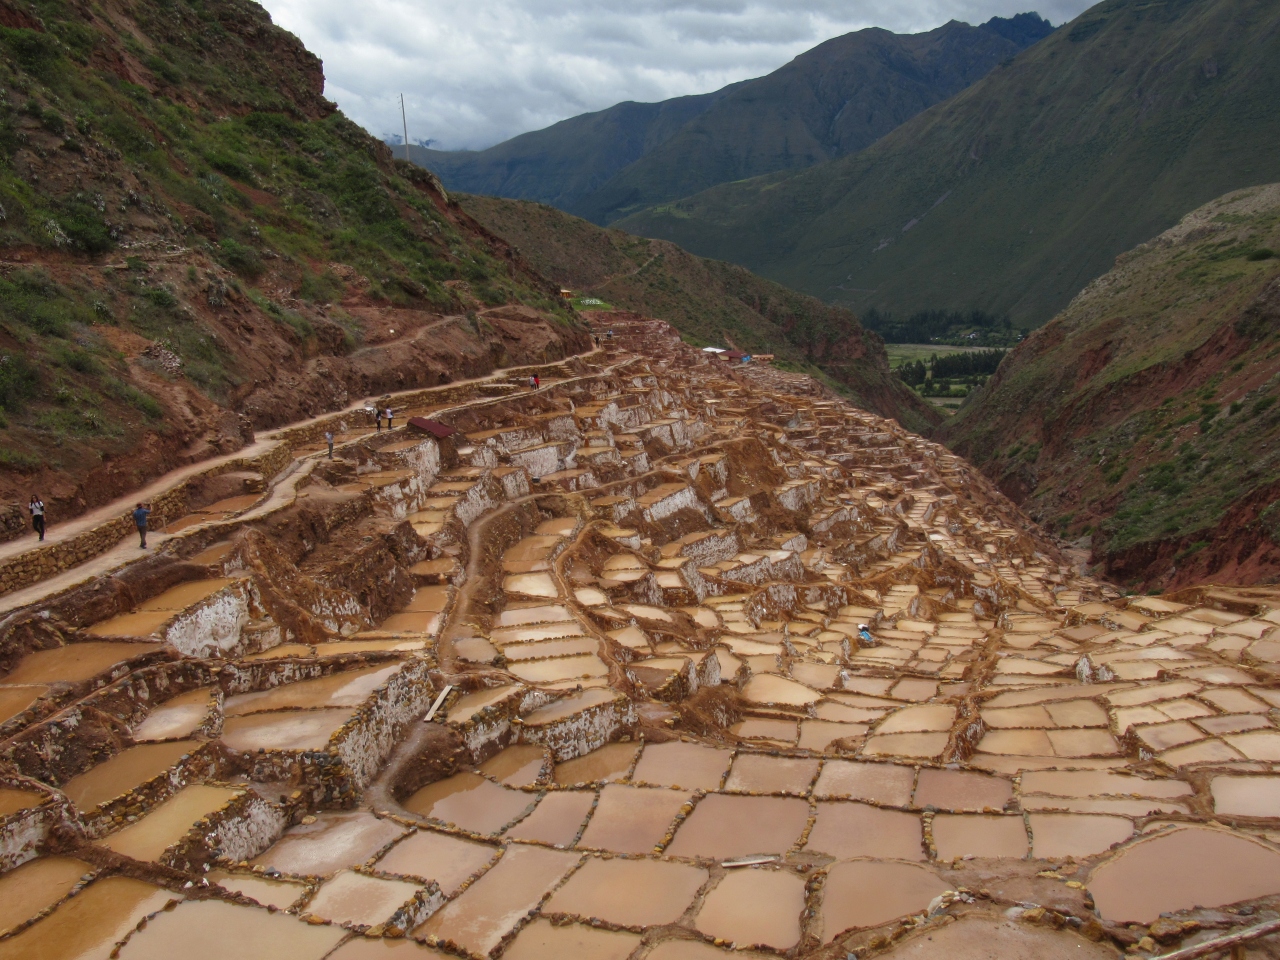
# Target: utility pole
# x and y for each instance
(405, 121)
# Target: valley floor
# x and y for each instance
(663, 660)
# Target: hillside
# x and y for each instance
(834, 99)
(708, 301)
(1145, 413)
(569, 160)
(197, 244)
(1015, 193)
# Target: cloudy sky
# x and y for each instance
(475, 72)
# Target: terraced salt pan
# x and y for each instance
(541, 940)
(1180, 868)
(469, 801)
(75, 662)
(347, 689)
(630, 893)
(168, 823)
(280, 894)
(446, 860)
(35, 886)
(179, 716)
(530, 585)
(212, 929)
(359, 899)
(284, 730)
(491, 907)
(89, 924)
(611, 762)
(126, 771)
(848, 830)
(632, 819)
(329, 843)
(558, 819)
(758, 906)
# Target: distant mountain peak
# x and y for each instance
(1023, 29)
(832, 100)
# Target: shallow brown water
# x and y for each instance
(491, 907)
(846, 830)
(88, 925)
(75, 662)
(449, 861)
(723, 826)
(128, 769)
(755, 906)
(166, 824)
(213, 930)
(557, 820)
(632, 819)
(541, 940)
(331, 842)
(35, 886)
(868, 893)
(630, 893)
(471, 802)
(1182, 868)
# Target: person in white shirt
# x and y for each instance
(36, 506)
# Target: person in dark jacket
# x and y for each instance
(140, 514)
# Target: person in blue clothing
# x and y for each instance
(865, 638)
(140, 515)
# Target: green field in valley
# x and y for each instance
(900, 353)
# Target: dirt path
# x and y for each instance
(282, 488)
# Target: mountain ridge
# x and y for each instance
(1015, 193)
(833, 99)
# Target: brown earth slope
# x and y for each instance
(1144, 416)
(194, 243)
(710, 302)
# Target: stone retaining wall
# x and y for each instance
(41, 563)
(22, 834)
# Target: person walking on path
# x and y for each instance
(389, 418)
(140, 514)
(537, 381)
(377, 417)
(328, 438)
(36, 506)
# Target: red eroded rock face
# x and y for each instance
(1143, 417)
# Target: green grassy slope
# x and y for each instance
(1015, 193)
(710, 302)
(197, 243)
(1146, 413)
(829, 101)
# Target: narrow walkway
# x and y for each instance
(127, 550)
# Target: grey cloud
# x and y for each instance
(479, 71)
